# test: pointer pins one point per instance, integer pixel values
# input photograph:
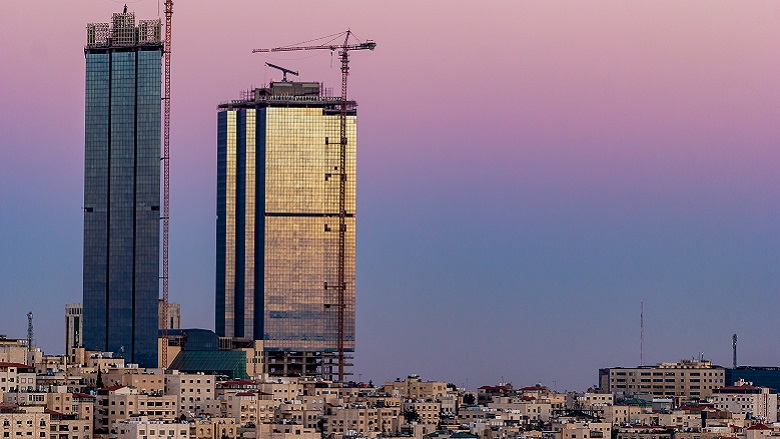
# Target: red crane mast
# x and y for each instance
(166, 159)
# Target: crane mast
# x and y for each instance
(166, 177)
(341, 287)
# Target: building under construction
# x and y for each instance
(280, 183)
(122, 187)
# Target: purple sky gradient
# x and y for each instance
(528, 172)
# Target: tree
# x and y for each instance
(99, 384)
(411, 415)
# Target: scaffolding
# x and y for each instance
(123, 32)
(322, 365)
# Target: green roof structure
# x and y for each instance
(229, 363)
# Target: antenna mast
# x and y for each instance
(734, 345)
(29, 331)
(166, 158)
(641, 333)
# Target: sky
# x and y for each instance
(528, 172)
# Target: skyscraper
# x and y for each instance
(278, 158)
(122, 187)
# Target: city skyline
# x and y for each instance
(529, 173)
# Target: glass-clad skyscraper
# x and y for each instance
(122, 187)
(277, 225)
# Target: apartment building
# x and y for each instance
(413, 387)
(68, 426)
(213, 428)
(15, 377)
(688, 378)
(581, 429)
(119, 403)
(425, 412)
(745, 398)
(143, 428)
(194, 392)
(144, 380)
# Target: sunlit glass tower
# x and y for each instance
(122, 187)
(278, 161)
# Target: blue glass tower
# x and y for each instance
(122, 187)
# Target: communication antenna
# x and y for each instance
(641, 333)
(734, 346)
(284, 71)
(29, 331)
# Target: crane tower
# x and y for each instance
(166, 158)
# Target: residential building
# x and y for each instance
(689, 378)
(194, 392)
(24, 422)
(279, 226)
(68, 426)
(15, 377)
(581, 429)
(286, 431)
(213, 428)
(249, 407)
(122, 187)
(142, 428)
(745, 398)
(413, 387)
(14, 350)
(119, 403)
(145, 381)
(351, 420)
(645, 432)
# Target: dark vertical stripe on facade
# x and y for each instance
(135, 195)
(260, 145)
(240, 238)
(219, 306)
(108, 197)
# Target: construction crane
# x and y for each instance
(166, 159)
(343, 52)
(284, 71)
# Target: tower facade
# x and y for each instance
(122, 187)
(73, 326)
(278, 158)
